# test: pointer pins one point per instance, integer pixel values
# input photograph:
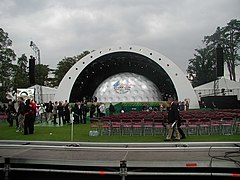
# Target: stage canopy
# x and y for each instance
(91, 71)
(223, 87)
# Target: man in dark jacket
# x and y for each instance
(173, 118)
(11, 112)
(84, 113)
(77, 110)
(28, 115)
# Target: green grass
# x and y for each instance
(81, 134)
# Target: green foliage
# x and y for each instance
(202, 66)
(20, 77)
(64, 65)
(7, 56)
(41, 73)
(229, 38)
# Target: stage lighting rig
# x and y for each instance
(36, 50)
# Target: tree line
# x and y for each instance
(201, 68)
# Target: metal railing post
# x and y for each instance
(6, 168)
(123, 169)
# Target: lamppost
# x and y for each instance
(37, 56)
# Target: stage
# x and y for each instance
(58, 160)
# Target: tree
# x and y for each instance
(41, 74)
(7, 56)
(202, 66)
(21, 77)
(64, 65)
(229, 38)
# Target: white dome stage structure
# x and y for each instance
(87, 74)
(127, 87)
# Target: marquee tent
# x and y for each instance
(222, 86)
(48, 93)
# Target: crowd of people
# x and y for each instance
(24, 115)
(28, 112)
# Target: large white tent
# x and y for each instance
(219, 87)
(41, 94)
(48, 93)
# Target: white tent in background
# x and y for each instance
(48, 93)
(223, 87)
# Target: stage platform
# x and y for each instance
(82, 160)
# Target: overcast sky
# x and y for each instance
(63, 28)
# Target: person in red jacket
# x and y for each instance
(32, 120)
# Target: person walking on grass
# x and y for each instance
(172, 127)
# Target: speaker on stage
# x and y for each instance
(32, 70)
(220, 61)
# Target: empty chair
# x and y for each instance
(148, 127)
(159, 127)
(193, 126)
(227, 125)
(105, 125)
(126, 125)
(116, 127)
(237, 127)
(137, 126)
(95, 125)
(204, 126)
(215, 125)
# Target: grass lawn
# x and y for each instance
(81, 134)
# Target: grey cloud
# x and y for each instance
(66, 28)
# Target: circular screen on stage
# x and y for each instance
(127, 87)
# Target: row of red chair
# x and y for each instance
(193, 122)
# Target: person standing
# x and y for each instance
(77, 112)
(11, 111)
(173, 118)
(84, 113)
(27, 117)
(40, 113)
(49, 110)
(92, 110)
(20, 115)
(181, 106)
(33, 106)
(111, 109)
(187, 105)
(98, 110)
(61, 113)
(55, 109)
(67, 112)
(102, 109)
